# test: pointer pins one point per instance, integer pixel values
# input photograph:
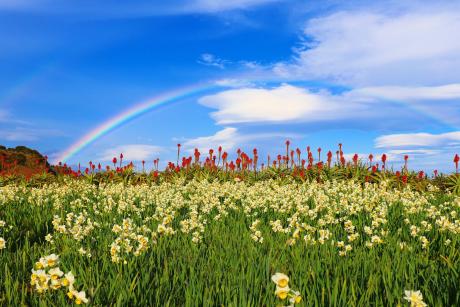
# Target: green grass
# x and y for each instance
(227, 268)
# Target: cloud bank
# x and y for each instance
(380, 48)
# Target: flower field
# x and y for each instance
(338, 234)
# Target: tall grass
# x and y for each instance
(227, 267)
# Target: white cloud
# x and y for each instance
(115, 8)
(211, 60)
(3, 116)
(443, 140)
(26, 134)
(132, 152)
(18, 135)
(415, 152)
(236, 83)
(230, 138)
(285, 103)
(212, 6)
(426, 151)
(414, 93)
(16, 4)
(380, 48)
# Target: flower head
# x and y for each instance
(282, 292)
(415, 298)
(296, 298)
(68, 279)
(80, 297)
(55, 273)
(280, 279)
(52, 260)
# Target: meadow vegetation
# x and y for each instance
(212, 232)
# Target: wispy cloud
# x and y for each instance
(230, 138)
(410, 93)
(132, 152)
(377, 47)
(26, 134)
(3, 116)
(427, 151)
(233, 82)
(17, 4)
(209, 59)
(442, 140)
(227, 138)
(213, 6)
(140, 8)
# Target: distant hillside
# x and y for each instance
(22, 161)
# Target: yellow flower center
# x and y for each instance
(70, 294)
(282, 294)
(282, 283)
(78, 301)
(297, 299)
(65, 282)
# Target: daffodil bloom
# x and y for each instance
(280, 279)
(40, 280)
(55, 273)
(161, 228)
(34, 278)
(40, 288)
(42, 276)
(52, 260)
(80, 297)
(415, 298)
(296, 233)
(55, 284)
(2, 243)
(296, 298)
(71, 293)
(282, 292)
(41, 264)
(68, 279)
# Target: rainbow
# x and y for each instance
(131, 113)
(162, 100)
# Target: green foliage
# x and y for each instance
(453, 183)
(227, 267)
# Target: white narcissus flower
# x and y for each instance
(2, 243)
(415, 298)
(72, 292)
(280, 279)
(34, 278)
(55, 284)
(55, 273)
(68, 280)
(41, 264)
(80, 297)
(296, 298)
(282, 292)
(52, 260)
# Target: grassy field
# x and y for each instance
(210, 241)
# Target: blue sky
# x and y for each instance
(380, 77)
